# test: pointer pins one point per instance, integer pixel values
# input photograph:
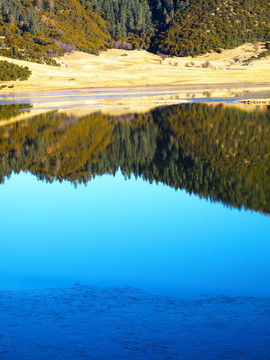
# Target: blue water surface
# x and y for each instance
(125, 269)
(129, 232)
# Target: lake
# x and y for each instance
(134, 235)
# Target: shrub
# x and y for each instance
(10, 71)
(65, 47)
(126, 45)
(206, 64)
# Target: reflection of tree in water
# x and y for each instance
(219, 153)
(12, 110)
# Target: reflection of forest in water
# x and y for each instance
(216, 152)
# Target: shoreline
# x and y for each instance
(83, 102)
(245, 92)
(245, 86)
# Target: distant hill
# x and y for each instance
(206, 25)
(188, 27)
(38, 30)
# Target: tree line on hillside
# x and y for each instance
(137, 21)
(219, 153)
(127, 18)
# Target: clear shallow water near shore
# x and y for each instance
(165, 273)
(126, 323)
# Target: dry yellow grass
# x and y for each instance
(120, 68)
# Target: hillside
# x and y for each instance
(38, 30)
(184, 28)
(213, 25)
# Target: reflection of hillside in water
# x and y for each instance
(217, 152)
